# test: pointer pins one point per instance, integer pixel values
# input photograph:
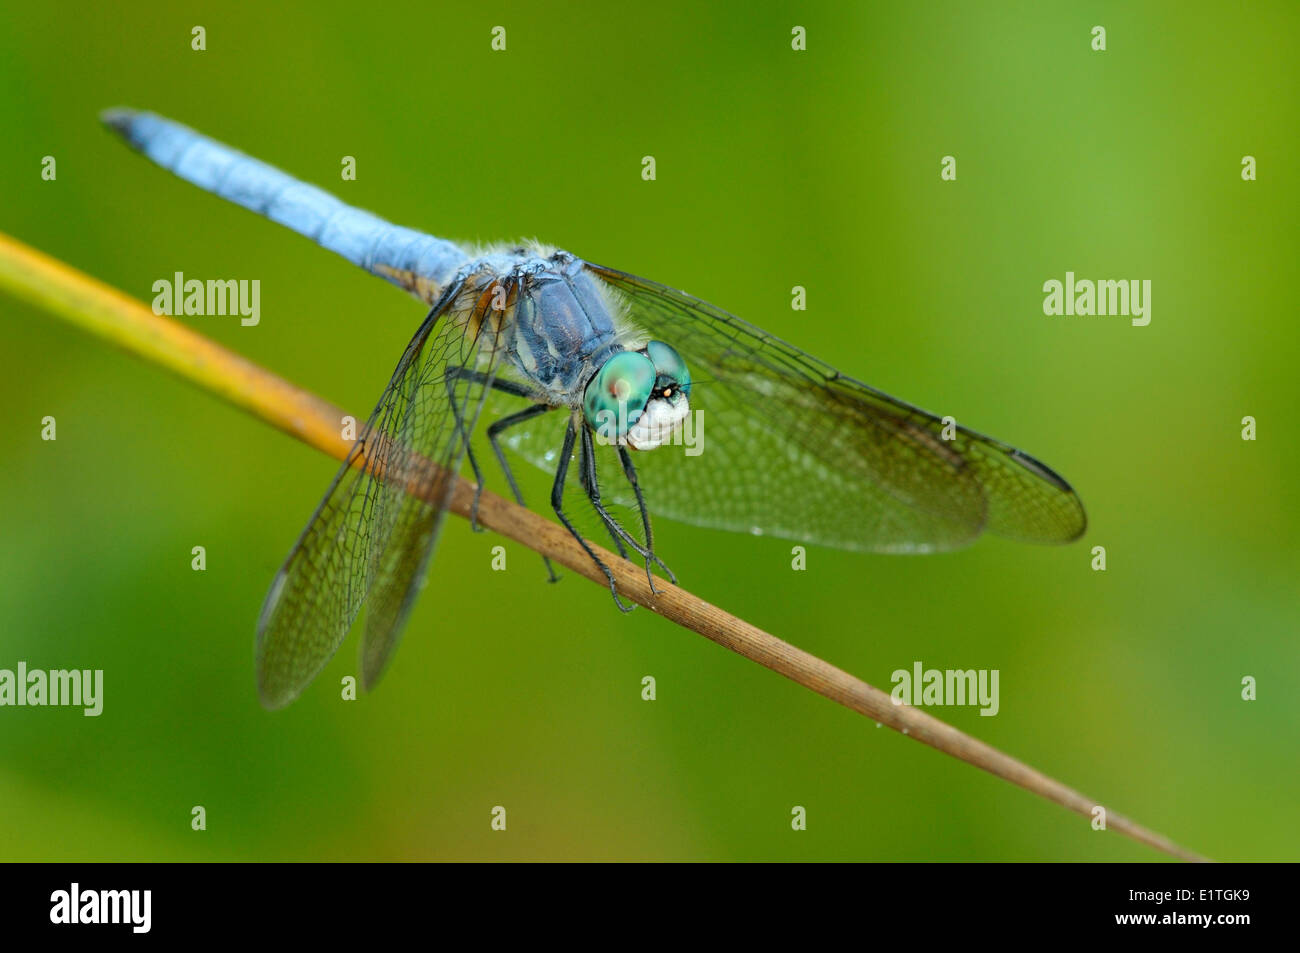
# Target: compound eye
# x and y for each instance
(669, 364)
(619, 392)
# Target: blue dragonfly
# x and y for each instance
(607, 367)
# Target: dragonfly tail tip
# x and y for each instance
(119, 118)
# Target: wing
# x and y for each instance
(791, 447)
(371, 537)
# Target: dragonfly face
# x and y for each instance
(795, 448)
(639, 398)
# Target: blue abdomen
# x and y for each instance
(412, 260)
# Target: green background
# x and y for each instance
(775, 169)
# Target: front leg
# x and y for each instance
(557, 504)
(587, 477)
(592, 486)
(629, 471)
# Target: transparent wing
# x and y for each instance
(371, 537)
(790, 447)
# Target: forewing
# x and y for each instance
(790, 447)
(372, 535)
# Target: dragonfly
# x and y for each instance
(605, 371)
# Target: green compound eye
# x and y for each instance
(617, 395)
(668, 363)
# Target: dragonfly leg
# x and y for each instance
(629, 470)
(494, 432)
(508, 387)
(587, 476)
(615, 528)
(557, 504)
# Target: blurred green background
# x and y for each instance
(775, 168)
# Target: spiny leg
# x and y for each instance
(557, 504)
(592, 486)
(629, 471)
(587, 477)
(494, 431)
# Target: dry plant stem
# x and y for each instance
(130, 325)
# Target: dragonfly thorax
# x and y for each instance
(562, 323)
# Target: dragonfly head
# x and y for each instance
(639, 398)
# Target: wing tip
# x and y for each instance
(1079, 525)
(274, 697)
(373, 663)
(272, 692)
(1083, 519)
(1041, 469)
(1069, 518)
